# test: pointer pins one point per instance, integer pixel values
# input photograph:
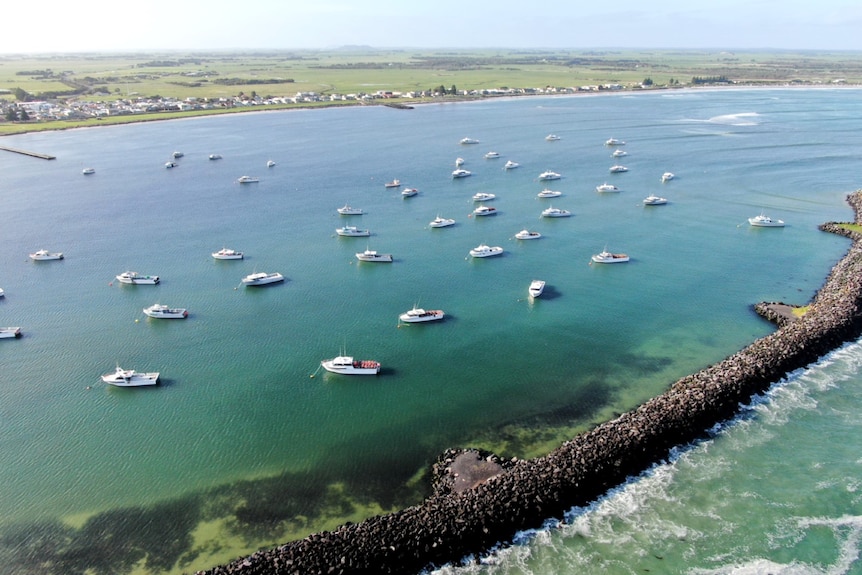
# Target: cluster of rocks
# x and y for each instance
(501, 497)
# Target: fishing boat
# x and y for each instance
(484, 251)
(439, 222)
(373, 256)
(526, 234)
(262, 278)
(44, 255)
(352, 231)
(9, 332)
(346, 210)
(160, 311)
(227, 254)
(346, 365)
(393, 184)
(606, 257)
(763, 221)
(417, 315)
(135, 278)
(130, 378)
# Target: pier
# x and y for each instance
(28, 153)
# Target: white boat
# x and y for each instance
(469, 141)
(372, 256)
(536, 288)
(165, 312)
(485, 211)
(215, 156)
(614, 142)
(418, 315)
(439, 222)
(346, 210)
(552, 137)
(667, 176)
(170, 165)
(549, 175)
(248, 179)
(270, 164)
(393, 184)
(606, 187)
(617, 168)
(262, 278)
(136, 278)
(461, 173)
(130, 378)
(178, 154)
(2, 293)
(483, 251)
(492, 156)
(526, 234)
(555, 213)
(42, 255)
(352, 231)
(606, 257)
(653, 200)
(619, 153)
(459, 162)
(763, 221)
(409, 192)
(348, 366)
(6, 332)
(483, 196)
(227, 254)
(510, 165)
(549, 194)
(88, 171)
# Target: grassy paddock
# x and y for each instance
(101, 77)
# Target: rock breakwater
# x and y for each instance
(508, 496)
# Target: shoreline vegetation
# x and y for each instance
(480, 501)
(41, 92)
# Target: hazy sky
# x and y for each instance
(108, 25)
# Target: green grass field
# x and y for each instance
(102, 77)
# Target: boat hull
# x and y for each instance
(130, 378)
(610, 259)
(382, 258)
(227, 255)
(420, 315)
(260, 281)
(10, 332)
(166, 313)
(536, 288)
(349, 366)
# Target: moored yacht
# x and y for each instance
(373, 256)
(606, 187)
(614, 142)
(417, 315)
(483, 196)
(346, 210)
(169, 165)
(469, 141)
(262, 278)
(215, 156)
(485, 211)
(409, 192)
(459, 162)
(43, 255)
(227, 254)
(136, 278)
(526, 234)
(88, 171)
(510, 165)
(617, 168)
(346, 365)
(396, 183)
(606, 257)
(9, 332)
(653, 200)
(492, 156)
(130, 378)
(165, 312)
(352, 231)
(619, 153)
(552, 137)
(461, 173)
(484, 251)
(248, 180)
(549, 175)
(549, 194)
(763, 221)
(667, 176)
(270, 164)
(439, 222)
(536, 288)
(555, 213)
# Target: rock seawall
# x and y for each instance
(517, 495)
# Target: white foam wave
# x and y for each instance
(741, 119)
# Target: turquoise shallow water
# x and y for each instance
(240, 432)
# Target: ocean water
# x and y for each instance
(248, 443)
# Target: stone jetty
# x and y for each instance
(480, 501)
